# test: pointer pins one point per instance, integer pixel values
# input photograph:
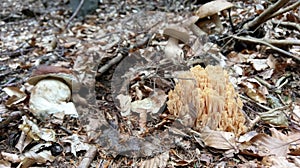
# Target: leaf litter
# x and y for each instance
(117, 55)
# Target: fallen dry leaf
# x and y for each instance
(36, 133)
(259, 64)
(252, 90)
(218, 139)
(16, 95)
(264, 145)
(275, 117)
(278, 162)
(77, 143)
(125, 104)
(156, 162)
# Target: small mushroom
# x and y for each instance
(172, 50)
(52, 91)
(211, 10)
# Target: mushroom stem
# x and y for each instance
(197, 30)
(173, 51)
(216, 20)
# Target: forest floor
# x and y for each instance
(128, 113)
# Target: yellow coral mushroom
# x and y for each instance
(205, 97)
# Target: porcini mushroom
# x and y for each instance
(211, 10)
(172, 50)
(51, 92)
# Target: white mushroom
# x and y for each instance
(211, 10)
(52, 92)
(172, 50)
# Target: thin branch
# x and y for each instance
(110, 63)
(75, 13)
(291, 7)
(282, 42)
(88, 157)
(291, 24)
(261, 41)
(265, 15)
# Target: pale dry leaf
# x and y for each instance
(267, 74)
(158, 161)
(178, 160)
(16, 95)
(277, 162)
(218, 139)
(238, 70)
(271, 61)
(77, 144)
(292, 139)
(252, 91)
(296, 112)
(237, 57)
(247, 136)
(259, 64)
(125, 104)
(10, 157)
(265, 145)
(275, 117)
(37, 154)
(36, 133)
(151, 104)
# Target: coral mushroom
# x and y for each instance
(205, 97)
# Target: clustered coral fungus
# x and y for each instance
(205, 97)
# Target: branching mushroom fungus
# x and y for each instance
(52, 91)
(211, 10)
(206, 98)
(176, 34)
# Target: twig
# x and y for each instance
(265, 15)
(253, 122)
(296, 25)
(291, 7)
(253, 101)
(265, 83)
(120, 56)
(282, 42)
(110, 63)
(75, 13)
(261, 41)
(88, 157)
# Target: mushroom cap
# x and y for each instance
(212, 8)
(53, 72)
(177, 32)
(67, 78)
